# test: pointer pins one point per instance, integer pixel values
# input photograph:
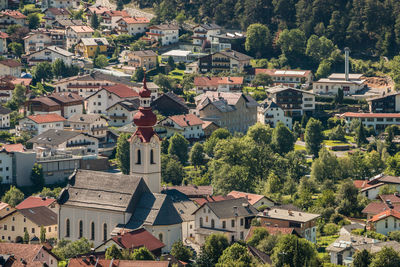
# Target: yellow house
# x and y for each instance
(5, 209)
(13, 225)
(87, 46)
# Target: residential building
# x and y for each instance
(228, 40)
(70, 103)
(87, 47)
(6, 161)
(387, 103)
(31, 219)
(225, 61)
(370, 188)
(65, 23)
(122, 112)
(255, 200)
(32, 255)
(94, 261)
(385, 202)
(4, 117)
(10, 67)
(68, 4)
(209, 127)
(95, 9)
(49, 54)
(288, 78)
(11, 17)
(165, 34)
(303, 222)
(74, 142)
(294, 102)
(330, 86)
(75, 33)
(41, 38)
(143, 59)
(109, 19)
(270, 113)
(3, 43)
(132, 240)
(33, 202)
(37, 124)
(132, 25)
(203, 32)
(191, 125)
(107, 96)
(91, 124)
(234, 111)
(53, 14)
(178, 56)
(219, 84)
(7, 86)
(169, 104)
(192, 68)
(5, 209)
(230, 217)
(378, 121)
(384, 222)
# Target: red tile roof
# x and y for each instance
(26, 252)
(58, 11)
(186, 120)
(135, 20)
(13, 148)
(13, 13)
(46, 118)
(3, 35)
(98, 9)
(32, 202)
(80, 29)
(78, 262)
(121, 90)
(138, 238)
(215, 81)
(202, 200)
(117, 13)
(360, 183)
(394, 198)
(370, 115)
(385, 214)
(10, 63)
(252, 198)
(23, 81)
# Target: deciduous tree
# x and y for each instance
(123, 153)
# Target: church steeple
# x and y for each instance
(145, 145)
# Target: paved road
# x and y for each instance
(135, 12)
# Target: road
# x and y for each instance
(134, 12)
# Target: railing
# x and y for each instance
(53, 157)
(79, 144)
(99, 128)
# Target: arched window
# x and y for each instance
(67, 228)
(160, 237)
(92, 231)
(212, 223)
(201, 222)
(152, 157)
(105, 232)
(138, 157)
(80, 229)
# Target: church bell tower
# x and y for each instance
(145, 144)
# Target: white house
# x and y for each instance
(385, 222)
(289, 78)
(165, 34)
(50, 54)
(3, 42)
(177, 56)
(255, 200)
(219, 84)
(10, 67)
(122, 112)
(270, 113)
(6, 161)
(92, 124)
(189, 123)
(203, 32)
(110, 18)
(370, 188)
(132, 25)
(10, 17)
(336, 81)
(4, 117)
(378, 121)
(37, 124)
(75, 33)
(37, 40)
(72, 4)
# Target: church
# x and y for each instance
(97, 205)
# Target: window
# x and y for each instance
(201, 222)
(212, 223)
(160, 237)
(12, 228)
(241, 235)
(223, 224)
(92, 231)
(80, 229)
(67, 228)
(152, 157)
(138, 157)
(33, 230)
(206, 218)
(241, 221)
(105, 232)
(233, 223)
(386, 223)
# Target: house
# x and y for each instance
(33, 202)
(165, 34)
(3, 43)
(386, 202)
(294, 102)
(192, 68)
(270, 113)
(70, 103)
(87, 47)
(143, 59)
(192, 191)
(288, 78)
(49, 54)
(132, 25)
(225, 61)
(387, 103)
(40, 38)
(5, 209)
(7, 86)
(75, 33)
(384, 222)
(191, 125)
(169, 104)
(234, 111)
(219, 84)
(228, 40)
(110, 18)
(132, 240)
(37, 124)
(330, 86)
(178, 56)
(203, 32)
(95, 9)
(4, 117)
(32, 255)
(75, 142)
(91, 124)
(30, 219)
(122, 112)
(107, 96)
(65, 23)
(10, 67)
(11, 17)
(370, 188)
(6, 161)
(230, 217)
(378, 121)
(255, 200)
(68, 4)
(209, 127)
(53, 14)
(303, 222)
(94, 261)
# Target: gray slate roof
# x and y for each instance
(4, 110)
(129, 105)
(182, 204)
(53, 137)
(84, 118)
(235, 55)
(40, 215)
(226, 208)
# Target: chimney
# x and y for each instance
(346, 63)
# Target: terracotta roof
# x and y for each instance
(121, 90)
(46, 118)
(201, 200)
(360, 183)
(23, 81)
(135, 20)
(117, 13)
(10, 63)
(215, 81)
(44, 100)
(13, 148)
(3, 35)
(393, 198)
(32, 202)
(3, 205)
(64, 97)
(78, 262)
(186, 120)
(138, 238)
(98, 9)
(13, 13)
(194, 190)
(22, 252)
(252, 198)
(385, 214)
(370, 115)
(58, 11)
(80, 29)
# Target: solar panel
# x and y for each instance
(343, 245)
(292, 72)
(336, 245)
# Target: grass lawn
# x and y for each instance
(176, 74)
(334, 143)
(323, 242)
(299, 147)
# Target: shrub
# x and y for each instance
(395, 235)
(331, 229)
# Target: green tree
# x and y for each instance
(235, 255)
(347, 199)
(180, 18)
(164, 82)
(142, 254)
(387, 190)
(258, 40)
(339, 96)
(313, 136)
(13, 196)
(120, 5)
(259, 234)
(58, 67)
(42, 234)
(324, 69)
(37, 177)
(360, 135)
(387, 257)
(178, 146)
(338, 133)
(211, 142)
(331, 229)
(33, 21)
(171, 62)
(26, 238)
(138, 45)
(16, 48)
(325, 167)
(47, 192)
(292, 44)
(171, 170)
(100, 61)
(362, 258)
(94, 21)
(181, 252)
(139, 74)
(196, 156)
(42, 71)
(393, 165)
(262, 79)
(66, 249)
(260, 133)
(293, 251)
(214, 246)
(123, 153)
(19, 95)
(113, 252)
(282, 139)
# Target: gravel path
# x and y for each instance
(134, 12)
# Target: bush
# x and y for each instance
(262, 207)
(395, 235)
(331, 229)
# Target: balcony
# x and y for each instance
(94, 129)
(86, 143)
(220, 60)
(118, 117)
(221, 66)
